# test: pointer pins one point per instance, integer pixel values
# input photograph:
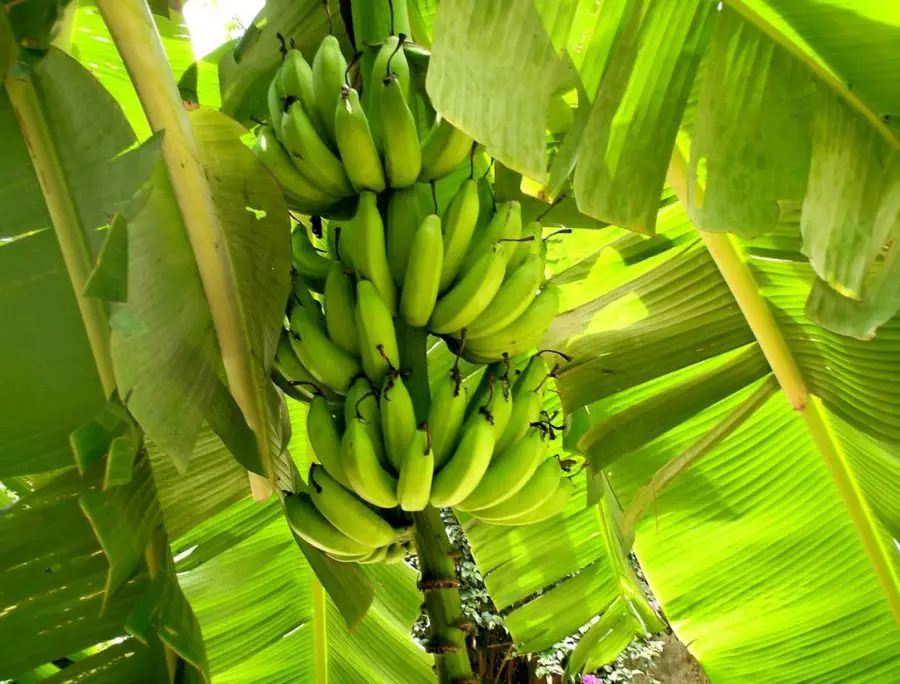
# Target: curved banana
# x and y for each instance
(462, 473)
(520, 335)
(459, 222)
(533, 377)
(508, 472)
(416, 472)
(550, 507)
(340, 309)
(287, 363)
(402, 155)
(301, 295)
(423, 273)
(352, 557)
(369, 249)
(297, 82)
(398, 419)
(310, 154)
(372, 482)
(361, 402)
(526, 410)
(512, 299)
(535, 246)
(471, 295)
(402, 224)
(493, 400)
(536, 491)
(377, 556)
(346, 512)
(356, 145)
(325, 440)
(311, 526)
(444, 148)
(301, 192)
(390, 53)
(311, 265)
(324, 359)
(449, 399)
(378, 339)
(505, 225)
(328, 69)
(275, 102)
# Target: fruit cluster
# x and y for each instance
(473, 278)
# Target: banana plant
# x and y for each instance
(733, 396)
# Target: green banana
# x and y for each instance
(275, 101)
(311, 526)
(462, 473)
(535, 246)
(416, 472)
(402, 155)
(493, 400)
(512, 299)
(449, 400)
(369, 479)
(396, 553)
(356, 145)
(340, 308)
(302, 296)
(398, 419)
(361, 402)
(505, 225)
(377, 556)
(402, 224)
(310, 265)
(328, 69)
(295, 373)
(520, 335)
(533, 377)
(352, 557)
(346, 512)
(310, 154)
(471, 295)
(324, 359)
(423, 273)
(378, 339)
(536, 491)
(508, 472)
(444, 148)
(550, 507)
(399, 67)
(369, 250)
(459, 224)
(526, 410)
(325, 439)
(297, 81)
(301, 192)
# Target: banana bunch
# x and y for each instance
(323, 144)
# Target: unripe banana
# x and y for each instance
(328, 69)
(416, 472)
(533, 377)
(505, 225)
(536, 491)
(310, 154)
(378, 339)
(423, 273)
(297, 81)
(362, 402)
(398, 419)
(396, 553)
(493, 400)
(301, 193)
(520, 335)
(402, 224)
(462, 473)
(287, 363)
(445, 148)
(535, 246)
(389, 60)
(402, 155)
(377, 556)
(310, 265)
(311, 526)
(353, 557)
(512, 299)
(471, 295)
(325, 440)
(550, 507)
(509, 472)
(449, 399)
(275, 102)
(325, 360)
(346, 512)
(372, 482)
(356, 145)
(369, 249)
(526, 410)
(340, 309)
(459, 225)
(302, 296)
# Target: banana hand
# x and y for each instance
(346, 512)
(311, 526)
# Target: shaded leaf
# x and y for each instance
(109, 279)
